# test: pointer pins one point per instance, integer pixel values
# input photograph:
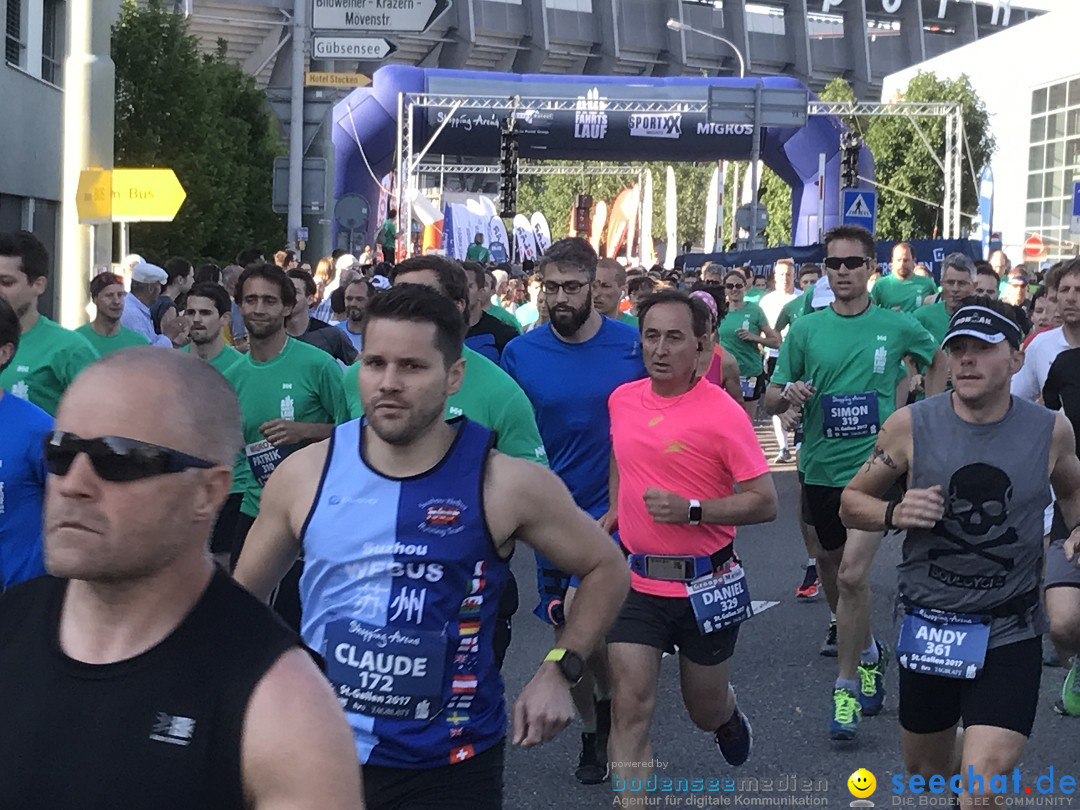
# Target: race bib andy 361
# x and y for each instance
(943, 643)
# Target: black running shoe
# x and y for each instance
(591, 769)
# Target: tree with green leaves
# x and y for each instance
(204, 118)
(911, 183)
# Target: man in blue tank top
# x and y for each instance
(568, 369)
(405, 521)
(979, 464)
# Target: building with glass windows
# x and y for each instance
(1029, 79)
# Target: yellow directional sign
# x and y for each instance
(322, 79)
(129, 195)
(94, 196)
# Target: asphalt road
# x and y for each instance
(785, 688)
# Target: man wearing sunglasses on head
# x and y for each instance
(290, 396)
(22, 470)
(153, 678)
(49, 355)
(842, 365)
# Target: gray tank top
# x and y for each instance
(988, 549)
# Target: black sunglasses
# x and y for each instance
(735, 286)
(850, 262)
(115, 458)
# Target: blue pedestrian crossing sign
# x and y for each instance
(859, 208)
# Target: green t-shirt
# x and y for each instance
(508, 318)
(748, 354)
(893, 292)
(488, 396)
(753, 295)
(854, 364)
(626, 317)
(387, 234)
(935, 319)
(224, 359)
(793, 310)
(477, 253)
(48, 359)
(124, 339)
(303, 384)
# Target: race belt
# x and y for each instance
(679, 568)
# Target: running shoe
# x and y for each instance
(735, 738)
(591, 769)
(845, 718)
(783, 457)
(1070, 690)
(872, 683)
(810, 587)
(828, 646)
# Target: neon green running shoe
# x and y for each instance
(1070, 690)
(846, 714)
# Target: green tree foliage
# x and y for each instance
(202, 117)
(904, 164)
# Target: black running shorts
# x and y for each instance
(1005, 695)
(475, 784)
(665, 623)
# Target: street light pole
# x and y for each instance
(677, 25)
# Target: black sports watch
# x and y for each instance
(570, 664)
(693, 515)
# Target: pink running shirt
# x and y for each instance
(696, 445)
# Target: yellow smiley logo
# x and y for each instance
(862, 783)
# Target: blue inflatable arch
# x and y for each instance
(365, 130)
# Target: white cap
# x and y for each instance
(823, 293)
(146, 273)
(345, 261)
(128, 262)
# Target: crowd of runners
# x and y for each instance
(363, 445)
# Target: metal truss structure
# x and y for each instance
(409, 165)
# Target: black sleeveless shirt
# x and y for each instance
(161, 730)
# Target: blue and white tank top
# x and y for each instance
(400, 590)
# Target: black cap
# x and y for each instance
(984, 324)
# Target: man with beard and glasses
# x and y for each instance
(208, 310)
(357, 293)
(290, 396)
(568, 369)
(49, 356)
(406, 523)
(105, 333)
(155, 679)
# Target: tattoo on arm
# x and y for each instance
(879, 455)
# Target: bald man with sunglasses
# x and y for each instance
(139, 667)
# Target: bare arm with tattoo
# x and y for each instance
(862, 507)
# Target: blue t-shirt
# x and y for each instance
(568, 385)
(22, 489)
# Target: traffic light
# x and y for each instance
(508, 168)
(582, 214)
(850, 145)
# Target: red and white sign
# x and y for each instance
(1034, 249)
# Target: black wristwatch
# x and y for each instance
(693, 515)
(570, 664)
